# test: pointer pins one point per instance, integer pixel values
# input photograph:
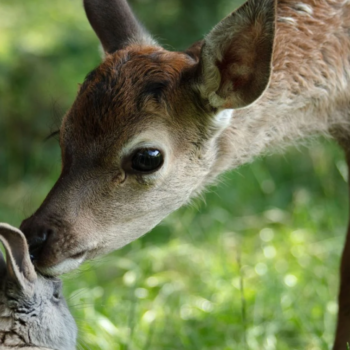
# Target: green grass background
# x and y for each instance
(253, 264)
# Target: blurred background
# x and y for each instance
(253, 264)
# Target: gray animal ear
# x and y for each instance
(236, 57)
(19, 267)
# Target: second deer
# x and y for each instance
(33, 312)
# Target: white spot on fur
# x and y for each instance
(223, 118)
(289, 20)
(304, 8)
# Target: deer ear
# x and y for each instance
(19, 267)
(236, 56)
(115, 24)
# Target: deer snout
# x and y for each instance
(37, 235)
(52, 247)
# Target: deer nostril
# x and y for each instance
(37, 242)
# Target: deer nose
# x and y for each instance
(37, 243)
(37, 236)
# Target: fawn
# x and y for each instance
(150, 128)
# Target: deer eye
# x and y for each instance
(147, 160)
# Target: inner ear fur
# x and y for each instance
(236, 57)
(19, 267)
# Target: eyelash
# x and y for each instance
(53, 134)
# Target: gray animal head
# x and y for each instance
(33, 311)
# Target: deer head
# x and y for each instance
(147, 130)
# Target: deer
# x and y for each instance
(151, 128)
(33, 311)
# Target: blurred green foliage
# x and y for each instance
(252, 266)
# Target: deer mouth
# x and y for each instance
(66, 265)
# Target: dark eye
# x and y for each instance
(57, 295)
(147, 160)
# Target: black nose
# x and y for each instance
(37, 242)
(37, 235)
